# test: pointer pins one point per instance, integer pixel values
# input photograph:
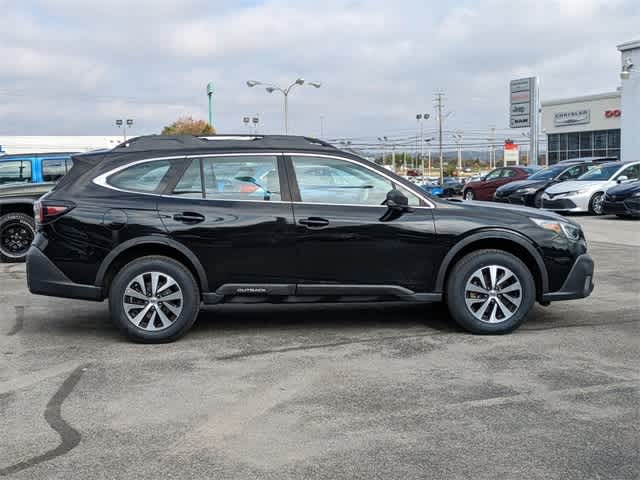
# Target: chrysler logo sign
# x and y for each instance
(576, 117)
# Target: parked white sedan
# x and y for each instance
(586, 193)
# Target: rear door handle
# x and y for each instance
(189, 217)
(314, 222)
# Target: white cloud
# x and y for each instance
(380, 62)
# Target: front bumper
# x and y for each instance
(577, 203)
(44, 278)
(629, 207)
(579, 282)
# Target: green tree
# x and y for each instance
(188, 126)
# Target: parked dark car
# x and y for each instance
(623, 200)
(485, 188)
(529, 192)
(17, 226)
(160, 225)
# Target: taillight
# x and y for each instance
(46, 211)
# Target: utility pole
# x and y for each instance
(210, 95)
(438, 101)
(492, 148)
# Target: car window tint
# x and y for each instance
(329, 180)
(632, 171)
(53, 169)
(242, 177)
(15, 171)
(493, 175)
(190, 184)
(144, 177)
(573, 172)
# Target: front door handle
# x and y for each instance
(314, 222)
(189, 217)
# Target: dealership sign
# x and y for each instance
(521, 101)
(575, 117)
(511, 153)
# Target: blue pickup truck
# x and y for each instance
(23, 179)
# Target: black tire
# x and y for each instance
(468, 195)
(17, 231)
(595, 204)
(537, 199)
(190, 302)
(462, 272)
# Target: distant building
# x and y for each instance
(36, 144)
(584, 126)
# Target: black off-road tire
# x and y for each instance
(462, 271)
(167, 266)
(24, 225)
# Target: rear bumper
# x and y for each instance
(44, 278)
(579, 282)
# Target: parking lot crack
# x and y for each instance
(69, 436)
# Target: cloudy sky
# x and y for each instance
(73, 66)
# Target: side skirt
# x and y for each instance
(314, 293)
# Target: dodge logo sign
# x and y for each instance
(613, 113)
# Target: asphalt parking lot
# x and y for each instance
(384, 391)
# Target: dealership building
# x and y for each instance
(605, 124)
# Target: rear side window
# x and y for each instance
(242, 177)
(14, 171)
(144, 177)
(54, 169)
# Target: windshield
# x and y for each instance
(601, 172)
(547, 173)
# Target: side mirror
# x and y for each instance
(622, 178)
(396, 200)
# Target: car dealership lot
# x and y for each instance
(348, 391)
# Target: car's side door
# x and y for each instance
(346, 235)
(489, 185)
(233, 212)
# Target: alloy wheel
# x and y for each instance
(468, 195)
(15, 239)
(493, 294)
(152, 301)
(597, 204)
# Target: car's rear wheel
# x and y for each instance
(596, 204)
(490, 292)
(17, 231)
(154, 299)
(469, 195)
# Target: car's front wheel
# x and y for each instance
(596, 204)
(469, 195)
(154, 299)
(490, 292)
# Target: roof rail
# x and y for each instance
(174, 142)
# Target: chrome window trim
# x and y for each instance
(101, 179)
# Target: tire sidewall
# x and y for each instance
(190, 305)
(16, 218)
(462, 271)
(592, 201)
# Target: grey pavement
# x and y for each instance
(328, 391)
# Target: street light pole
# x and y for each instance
(124, 124)
(270, 88)
(210, 95)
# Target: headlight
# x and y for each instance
(570, 231)
(635, 195)
(527, 191)
(575, 193)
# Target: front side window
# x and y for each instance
(493, 175)
(144, 177)
(573, 172)
(242, 177)
(334, 181)
(508, 172)
(631, 172)
(15, 171)
(599, 172)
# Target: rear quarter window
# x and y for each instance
(144, 177)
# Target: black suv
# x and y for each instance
(529, 192)
(161, 224)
